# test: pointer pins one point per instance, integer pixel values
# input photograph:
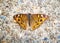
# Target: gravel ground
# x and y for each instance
(48, 32)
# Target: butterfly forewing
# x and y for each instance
(37, 20)
(22, 20)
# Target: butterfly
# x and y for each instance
(32, 20)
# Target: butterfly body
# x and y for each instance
(33, 20)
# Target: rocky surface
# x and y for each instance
(48, 32)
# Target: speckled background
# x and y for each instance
(48, 32)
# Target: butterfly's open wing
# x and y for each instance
(21, 19)
(36, 20)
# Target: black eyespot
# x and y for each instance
(16, 16)
(40, 19)
(18, 19)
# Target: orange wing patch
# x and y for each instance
(34, 20)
